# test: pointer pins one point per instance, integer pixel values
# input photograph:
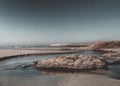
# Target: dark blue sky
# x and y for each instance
(53, 21)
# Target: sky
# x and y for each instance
(28, 22)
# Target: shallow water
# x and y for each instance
(18, 72)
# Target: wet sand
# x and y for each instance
(62, 80)
(88, 80)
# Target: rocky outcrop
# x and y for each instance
(113, 58)
(102, 45)
(112, 55)
(72, 62)
(98, 45)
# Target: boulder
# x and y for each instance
(112, 58)
(72, 62)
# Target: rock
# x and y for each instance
(102, 45)
(113, 58)
(98, 45)
(72, 62)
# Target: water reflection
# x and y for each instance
(73, 71)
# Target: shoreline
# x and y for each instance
(14, 53)
(21, 52)
(32, 51)
(76, 78)
(10, 53)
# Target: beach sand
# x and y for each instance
(88, 80)
(62, 80)
(6, 53)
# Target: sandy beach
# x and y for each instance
(6, 53)
(65, 79)
(88, 80)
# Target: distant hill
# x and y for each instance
(101, 45)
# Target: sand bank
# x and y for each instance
(9, 53)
